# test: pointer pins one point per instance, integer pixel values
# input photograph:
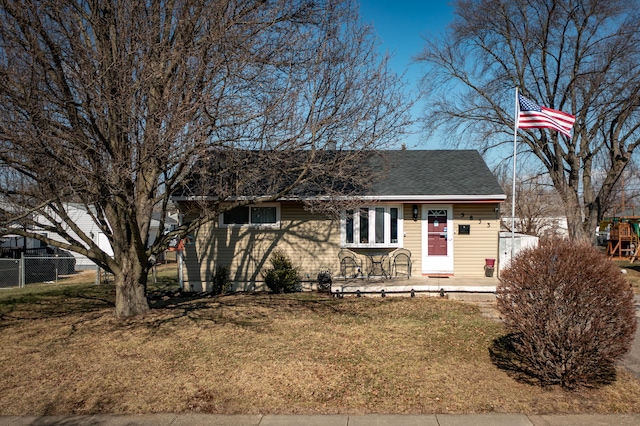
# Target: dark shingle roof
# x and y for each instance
(436, 172)
(393, 175)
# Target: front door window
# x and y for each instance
(437, 232)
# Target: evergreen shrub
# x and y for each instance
(570, 312)
(221, 280)
(282, 277)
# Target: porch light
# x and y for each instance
(415, 212)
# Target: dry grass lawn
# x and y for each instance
(63, 352)
(633, 273)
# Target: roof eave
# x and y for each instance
(490, 198)
(486, 198)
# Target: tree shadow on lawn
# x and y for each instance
(504, 355)
(55, 303)
(255, 310)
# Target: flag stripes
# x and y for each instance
(534, 116)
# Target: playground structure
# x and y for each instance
(624, 237)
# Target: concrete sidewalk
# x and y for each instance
(632, 359)
(327, 420)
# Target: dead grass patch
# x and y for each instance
(302, 353)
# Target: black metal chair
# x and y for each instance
(350, 264)
(401, 263)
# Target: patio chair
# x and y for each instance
(350, 264)
(401, 263)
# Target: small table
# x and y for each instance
(377, 261)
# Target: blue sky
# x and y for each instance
(401, 26)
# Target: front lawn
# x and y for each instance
(63, 352)
(632, 272)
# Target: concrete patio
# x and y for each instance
(423, 285)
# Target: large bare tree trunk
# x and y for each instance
(131, 285)
(130, 297)
(578, 228)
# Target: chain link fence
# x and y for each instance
(35, 269)
(31, 269)
(11, 273)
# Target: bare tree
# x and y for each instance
(623, 200)
(117, 105)
(538, 206)
(582, 57)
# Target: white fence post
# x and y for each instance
(21, 272)
(180, 276)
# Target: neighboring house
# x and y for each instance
(442, 205)
(84, 221)
(544, 227)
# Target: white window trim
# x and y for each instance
(387, 226)
(253, 225)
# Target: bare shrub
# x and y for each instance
(570, 313)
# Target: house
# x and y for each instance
(86, 223)
(546, 227)
(441, 205)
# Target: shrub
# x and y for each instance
(282, 277)
(221, 280)
(571, 313)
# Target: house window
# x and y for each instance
(375, 226)
(393, 212)
(349, 227)
(259, 215)
(364, 225)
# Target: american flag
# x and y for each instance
(534, 116)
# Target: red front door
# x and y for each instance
(437, 233)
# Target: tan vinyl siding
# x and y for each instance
(413, 239)
(470, 251)
(310, 241)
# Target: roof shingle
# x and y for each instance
(436, 172)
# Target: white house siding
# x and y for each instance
(83, 220)
(470, 251)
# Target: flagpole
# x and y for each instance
(513, 186)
